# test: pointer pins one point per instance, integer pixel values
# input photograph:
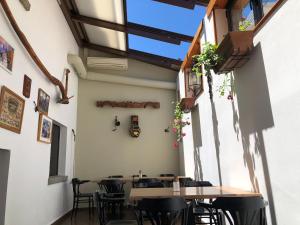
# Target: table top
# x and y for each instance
(190, 193)
(130, 179)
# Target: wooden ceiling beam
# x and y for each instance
(188, 4)
(136, 29)
(157, 60)
(65, 9)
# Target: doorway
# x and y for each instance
(4, 168)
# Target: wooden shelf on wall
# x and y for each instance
(128, 104)
(235, 50)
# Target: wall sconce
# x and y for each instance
(194, 83)
(117, 123)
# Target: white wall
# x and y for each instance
(252, 141)
(101, 152)
(30, 200)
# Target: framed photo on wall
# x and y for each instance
(44, 129)
(6, 55)
(43, 101)
(11, 110)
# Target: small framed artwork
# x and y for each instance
(43, 102)
(26, 86)
(11, 110)
(44, 129)
(6, 55)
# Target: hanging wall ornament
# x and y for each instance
(134, 129)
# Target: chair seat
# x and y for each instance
(122, 222)
(87, 195)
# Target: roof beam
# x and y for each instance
(161, 61)
(188, 4)
(136, 29)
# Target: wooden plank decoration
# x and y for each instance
(128, 104)
(64, 99)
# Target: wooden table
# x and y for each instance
(190, 193)
(130, 179)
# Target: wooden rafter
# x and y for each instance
(188, 4)
(136, 29)
(69, 10)
(64, 95)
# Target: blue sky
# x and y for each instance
(163, 16)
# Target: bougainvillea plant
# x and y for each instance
(178, 124)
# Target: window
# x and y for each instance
(245, 14)
(58, 154)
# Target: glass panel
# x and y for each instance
(267, 5)
(242, 16)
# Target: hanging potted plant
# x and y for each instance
(208, 59)
(178, 124)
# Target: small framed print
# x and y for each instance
(43, 102)
(11, 110)
(45, 129)
(26, 86)
(6, 55)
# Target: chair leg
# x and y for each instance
(89, 207)
(76, 206)
(73, 207)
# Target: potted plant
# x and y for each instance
(178, 124)
(209, 59)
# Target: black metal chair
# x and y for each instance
(200, 213)
(102, 205)
(79, 197)
(115, 195)
(242, 210)
(167, 183)
(155, 184)
(162, 211)
(183, 180)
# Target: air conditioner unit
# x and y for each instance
(107, 63)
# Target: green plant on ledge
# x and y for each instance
(207, 59)
(178, 124)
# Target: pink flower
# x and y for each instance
(175, 145)
(174, 129)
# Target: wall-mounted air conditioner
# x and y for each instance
(107, 63)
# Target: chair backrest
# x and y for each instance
(167, 175)
(183, 180)
(242, 210)
(75, 186)
(147, 180)
(198, 184)
(112, 186)
(163, 211)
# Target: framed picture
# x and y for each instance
(6, 55)
(43, 102)
(45, 129)
(11, 110)
(26, 86)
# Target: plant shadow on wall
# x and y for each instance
(254, 115)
